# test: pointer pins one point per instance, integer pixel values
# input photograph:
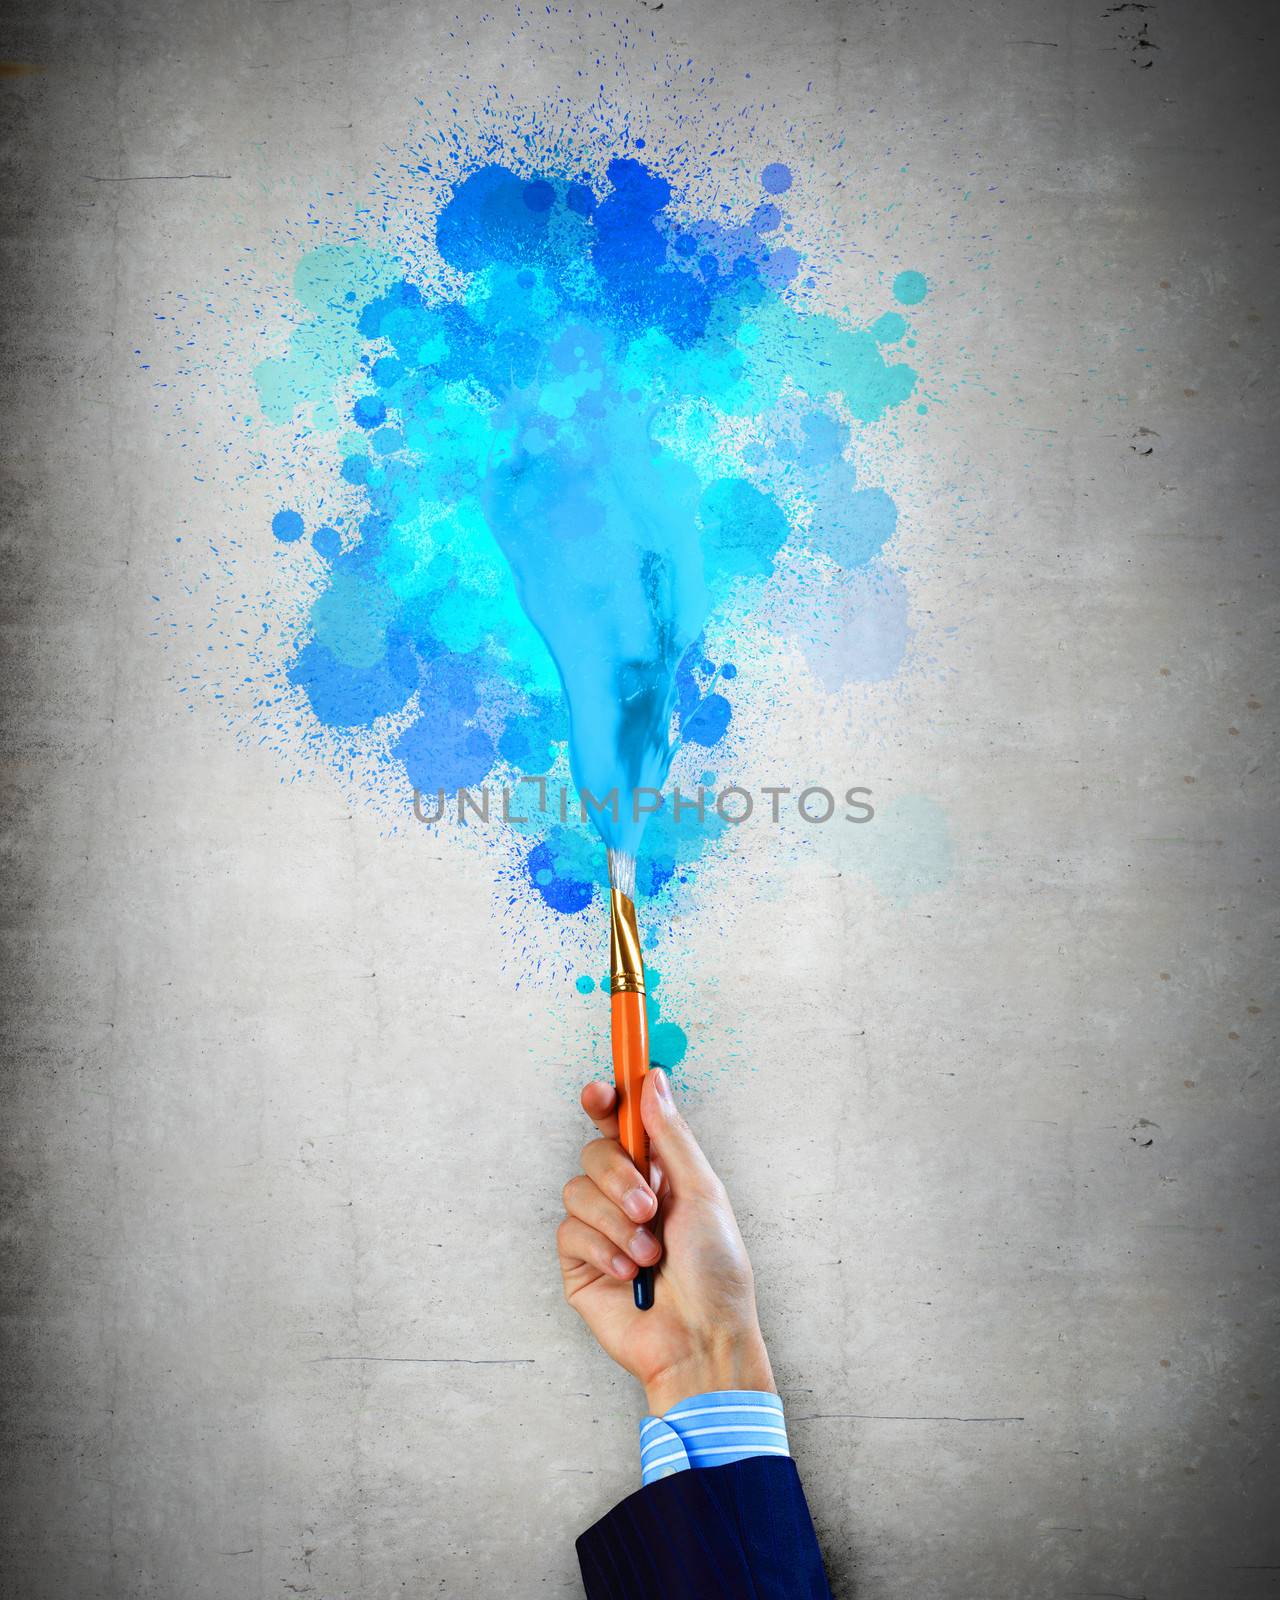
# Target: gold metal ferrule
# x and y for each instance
(626, 964)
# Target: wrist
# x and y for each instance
(737, 1362)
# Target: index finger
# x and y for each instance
(600, 1102)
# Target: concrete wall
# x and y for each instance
(284, 1150)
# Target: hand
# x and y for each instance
(702, 1332)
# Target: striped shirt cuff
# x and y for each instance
(711, 1430)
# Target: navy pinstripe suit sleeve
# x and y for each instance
(737, 1532)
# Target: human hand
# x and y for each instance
(702, 1332)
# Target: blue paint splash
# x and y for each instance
(599, 431)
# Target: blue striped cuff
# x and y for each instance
(710, 1430)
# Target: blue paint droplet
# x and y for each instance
(851, 525)
(729, 671)
(585, 985)
(326, 542)
(776, 178)
(708, 723)
(287, 526)
(369, 411)
(442, 749)
(910, 288)
(562, 893)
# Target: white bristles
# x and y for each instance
(622, 873)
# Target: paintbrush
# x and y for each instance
(630, 1029)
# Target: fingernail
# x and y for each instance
(622, 1266)
(637, 1203)
(663, 1087)
(644, 1247)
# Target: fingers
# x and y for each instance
(688, 1171)
(578, 1246)
(583, 1200)
(600, 1102)
(609, 1166)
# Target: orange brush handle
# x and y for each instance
(630, 1046)
(630, 1063)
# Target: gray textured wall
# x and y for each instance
(280, 1303)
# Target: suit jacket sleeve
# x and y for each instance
(737, 1532)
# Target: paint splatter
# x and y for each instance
(622, 404)
(562, 326)
(668, 1042)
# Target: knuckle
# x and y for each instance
(578, 1195)
(609, 1166)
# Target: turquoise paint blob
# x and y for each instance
(668, 1044)
(905, 853)
(585, 985)
(588, 443)
(891, 327)
(910, 288)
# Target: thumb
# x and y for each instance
(688, 1170)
